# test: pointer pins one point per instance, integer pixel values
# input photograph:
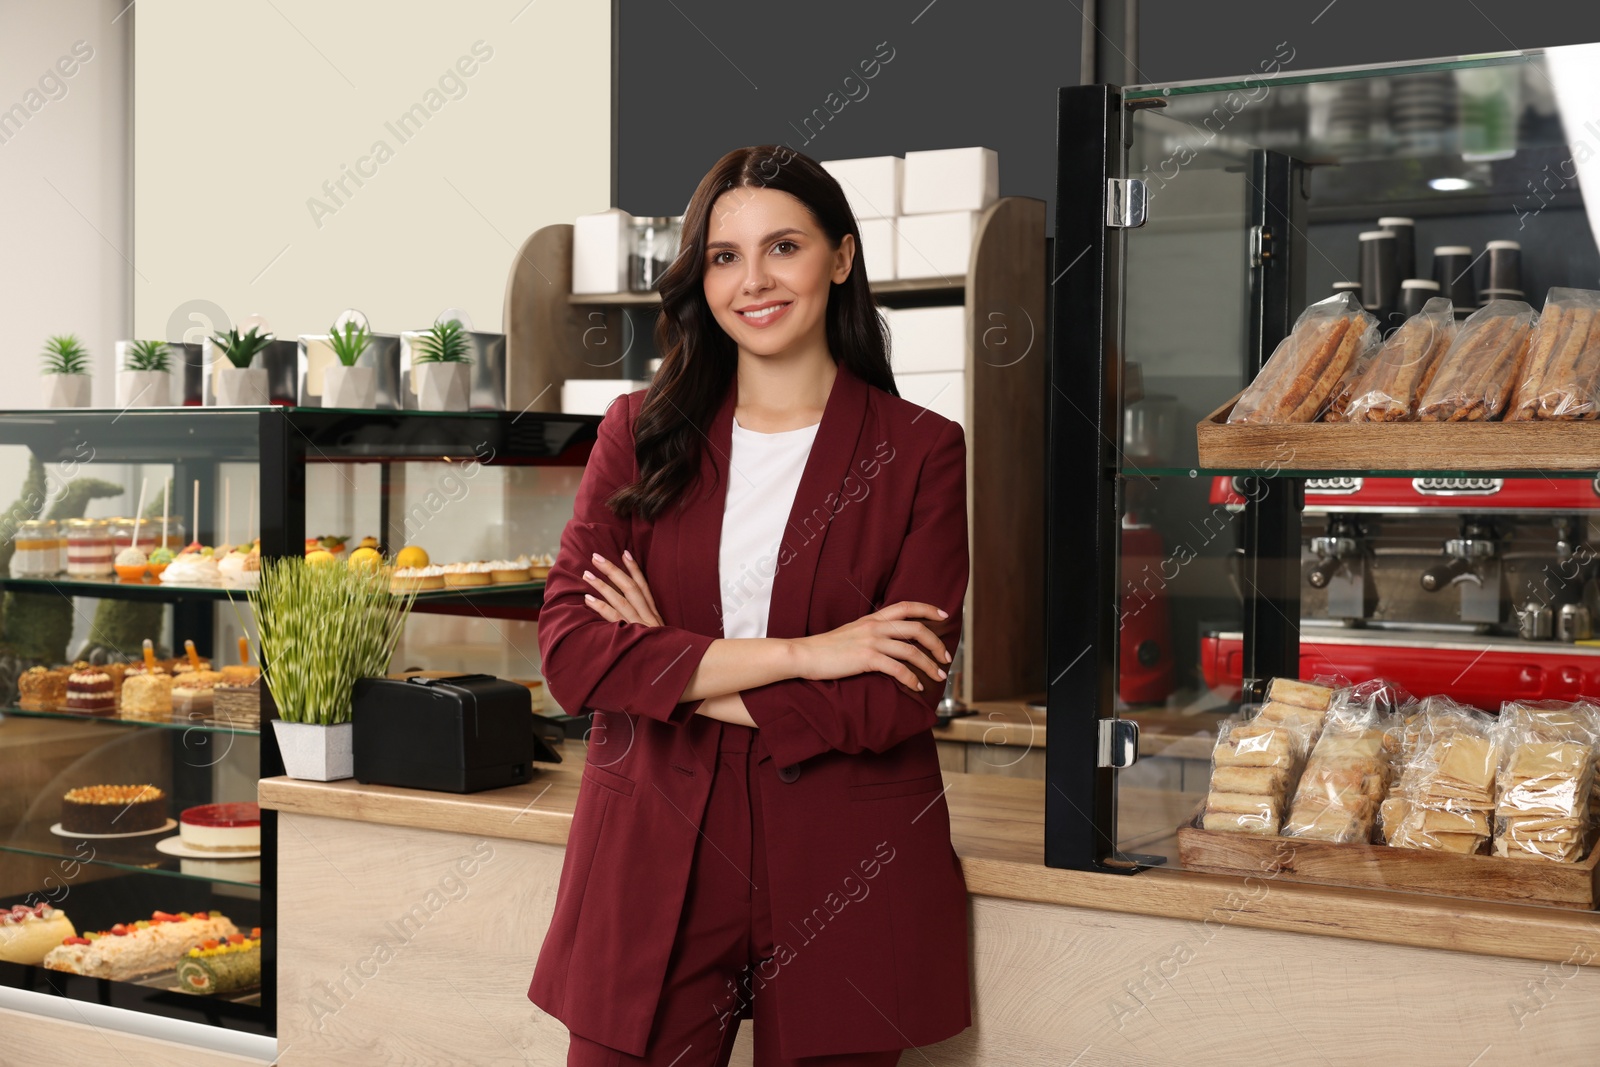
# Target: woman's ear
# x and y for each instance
(844, 258)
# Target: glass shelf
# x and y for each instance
(518, 594)
(135, 855)
(67, 716)
(1214, 472)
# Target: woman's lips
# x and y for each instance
(767, 316)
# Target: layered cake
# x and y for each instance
(91, 693)
(237, 704)
(113, 809)
(42, 689)
(133, 950)
(222, 966)
(222, 827)
(192, 695)
(147, 695)
(27, 934)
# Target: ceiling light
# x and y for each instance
(1450, 185)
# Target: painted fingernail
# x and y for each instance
(947, 656)
(588, 577)
(626, 554)
(943, 614)
(941, 674)
(586, 596)
(919, 687)
(596, 557)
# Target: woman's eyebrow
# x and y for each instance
(773, 236)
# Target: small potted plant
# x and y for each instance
(321, 628)
(66, 373)
(238, 383)
(145, 380)
(347, 385)
(443, 367)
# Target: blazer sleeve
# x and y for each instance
(588, 661)
(800, 717)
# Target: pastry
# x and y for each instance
(1344, 779)
(91, 693)
(464, 575)
(28, 933)
(222, 965)
(237, 705)
(241, 569)
(1483, 366)
(541, 566)
(159, 561)
(221, 827)
(1300, 694)
(1396, 378)
(147, 695)
(42, 689)
(505, 571)
(192, 694)
(416, 579)
(133, 950)
(113, 809)
(193, 568)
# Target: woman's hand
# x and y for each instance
(621, 595)
(876, 642)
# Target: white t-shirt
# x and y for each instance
(763, 476)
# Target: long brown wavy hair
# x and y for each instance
(699, 359)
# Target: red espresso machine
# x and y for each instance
(1481, 589)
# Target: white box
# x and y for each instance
(601, 244)
(934, 246)
(878, 248)
(871, 184)
(941, 392)
(591, 396)
(950, 179)
(927, 339)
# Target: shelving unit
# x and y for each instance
(553, 334)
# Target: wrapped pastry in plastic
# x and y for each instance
(1345, 779)
(1299, 380)
(1391, 384)
(1445, 794)
(1562, 377)
(1546, 779)
(1253, 767)
(1483, 366)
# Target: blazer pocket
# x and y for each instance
(927, 783)
(617, 783)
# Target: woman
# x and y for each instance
(757, 597)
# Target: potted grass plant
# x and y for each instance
(443, 368)
(347, 385)
(237, 382)
(66, 372)
(321, 628)
(145, 380)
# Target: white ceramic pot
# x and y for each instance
(144, 388)
(316, 753)
(67, 390)
(444, 386)
(350, 387)
(240, 386)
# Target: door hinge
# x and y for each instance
(1119, 743)
(1125, 202)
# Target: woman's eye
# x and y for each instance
(717, 259)
(781, 245)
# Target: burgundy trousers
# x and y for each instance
(714, 975)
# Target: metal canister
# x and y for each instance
(1573, 623)
(1534, 622)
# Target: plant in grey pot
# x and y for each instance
(145, 380)
(347, 385)
(321, 627)
(237, 382)
(443, 368)
(66, 372)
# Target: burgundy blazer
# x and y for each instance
(869, 904)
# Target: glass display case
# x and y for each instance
(75, 753)
(1195, 223)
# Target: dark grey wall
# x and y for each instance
(697, 78)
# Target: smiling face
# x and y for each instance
(768, 268)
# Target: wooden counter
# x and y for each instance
(1156, 964)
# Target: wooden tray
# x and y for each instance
(1398, 446)
(1292, 859)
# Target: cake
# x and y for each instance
(28, 933)
(91, 693)
(131, 564)
(42, 689)
(160, 559)
(240, 675)
(222, 827)
(113, 809)
(510, 570)
(416, 579)
(133, 950)
(192, 568)
(464, 575)
(241, 568)
(147, 695)
(192, 694)
(237, 705)
(222, 966)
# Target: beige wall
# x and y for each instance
(244, 111)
